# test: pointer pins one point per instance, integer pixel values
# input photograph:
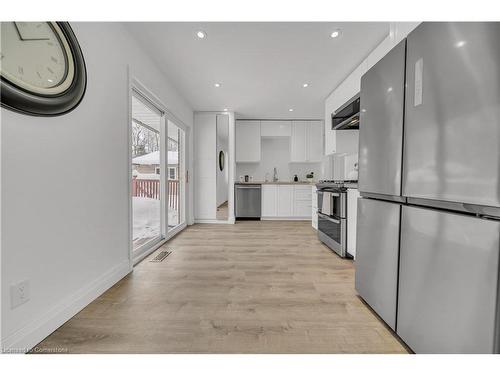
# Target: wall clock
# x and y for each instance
(42, 69)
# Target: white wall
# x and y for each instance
(275, 152)
(222, 145)
(347, 141)
(65, 202)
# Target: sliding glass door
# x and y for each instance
(176, 176)
(158, 169)
(147, 174)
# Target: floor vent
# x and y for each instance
(161, 256)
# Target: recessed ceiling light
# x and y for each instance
(200, 34)
(335, 33)
(460, 43)
(290, 110)
(217, 84)
(305, 84)
(225, 109)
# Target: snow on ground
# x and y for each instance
(146, 217)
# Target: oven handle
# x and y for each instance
(328, 218)
(329, 192)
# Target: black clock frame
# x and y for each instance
(20, 100)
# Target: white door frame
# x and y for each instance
(136, 85)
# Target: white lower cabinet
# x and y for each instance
(352, 218)
(286, 202)
(314, 205)
(302, 200)
(269, 201)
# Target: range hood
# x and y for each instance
(347, 116)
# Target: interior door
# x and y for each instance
(448, 282)
(381, 125)
(377, 252)
(452, 136)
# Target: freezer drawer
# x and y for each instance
(448, 282)
(452, 125)
(377, 252)
(381, 125)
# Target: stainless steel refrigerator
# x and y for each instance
(429, 173)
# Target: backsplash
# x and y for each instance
(276, 153)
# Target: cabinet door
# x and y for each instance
(352, 214)
(314, 207)
(269, 202)
(285, 200)
(248, 141)
(302, 201)
(298, 144)
(276, 128)
(315, 141)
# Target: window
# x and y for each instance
(172, 173)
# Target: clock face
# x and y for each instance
(36, 57)
(42, 69)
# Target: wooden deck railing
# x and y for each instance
(150, 188)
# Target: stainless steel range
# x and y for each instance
(332, 215)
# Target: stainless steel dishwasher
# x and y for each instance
(248, 201)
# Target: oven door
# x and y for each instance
(332, 203)
(332, 232)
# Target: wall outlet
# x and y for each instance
(19, 293)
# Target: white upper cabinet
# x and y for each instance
(248, 141)
(276, 128)
(306, 144)
(315, 141)
(298, 143)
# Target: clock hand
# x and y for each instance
(26, 39)
(18, 32)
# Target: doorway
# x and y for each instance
(222, 167)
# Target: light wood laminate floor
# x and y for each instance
(252, 287)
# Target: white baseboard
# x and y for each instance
(34, 332)
(213, 221)
(288, 218)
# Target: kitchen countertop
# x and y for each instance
(276, 183)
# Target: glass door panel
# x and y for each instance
(175, 175)
(147, 174)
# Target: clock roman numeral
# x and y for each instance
(20, 70)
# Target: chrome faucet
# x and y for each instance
(275, 175)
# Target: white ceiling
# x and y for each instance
(261, 66)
